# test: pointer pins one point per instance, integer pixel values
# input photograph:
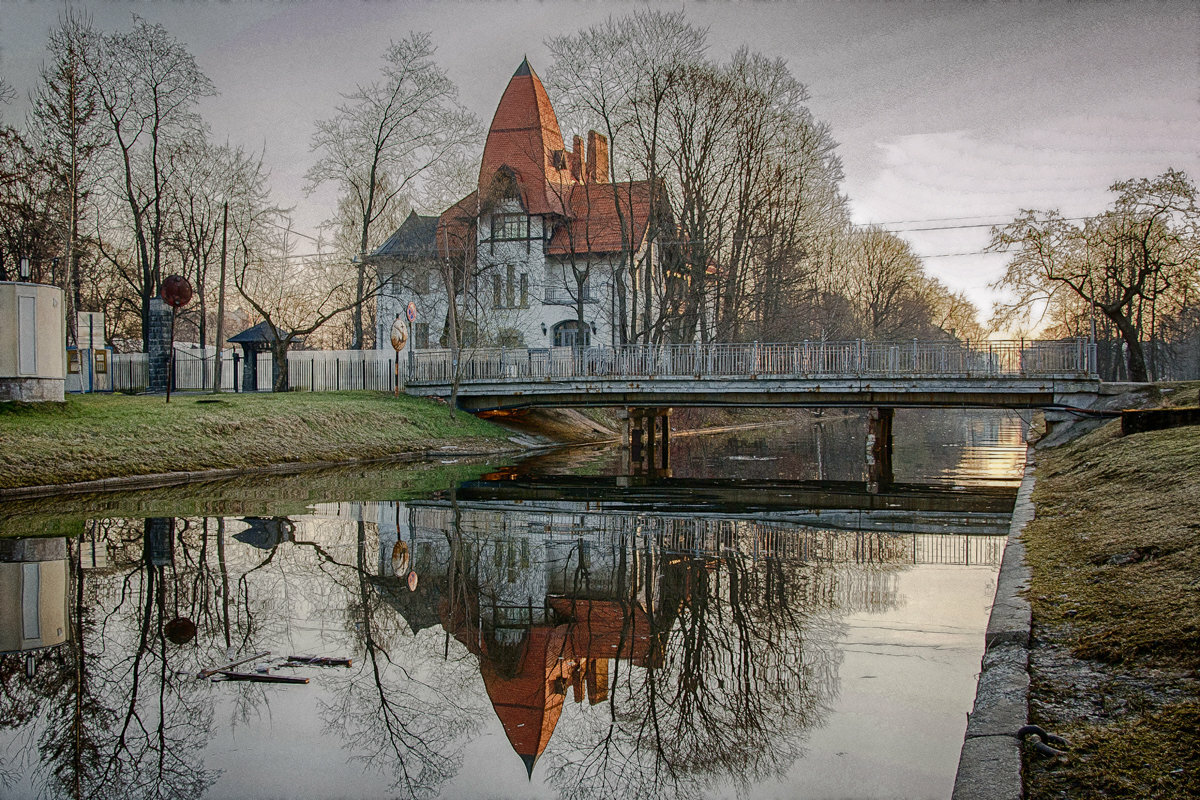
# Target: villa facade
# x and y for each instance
(542, 254)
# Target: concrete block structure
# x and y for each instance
(159, 347)
(33, 342)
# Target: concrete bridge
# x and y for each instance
(647, 381)
(1008, 374)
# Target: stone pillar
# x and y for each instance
(626, 441)
(879, 447)
(651, 440)
(158, 347)
(160, 540)
(666, 439)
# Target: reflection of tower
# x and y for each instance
(33, 595)
(537, 601)
(528, 692)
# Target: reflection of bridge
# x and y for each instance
(942, 538)
(711, 495)
(866, 374)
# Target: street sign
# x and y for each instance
(89, 330)
(176, 291)
(399, 334)
(411, 312)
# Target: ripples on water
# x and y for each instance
(521, 635)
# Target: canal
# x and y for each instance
(760, 621)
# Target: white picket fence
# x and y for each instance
(308, 370)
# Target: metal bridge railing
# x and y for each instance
(1074, 359)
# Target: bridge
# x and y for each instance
(647, 381)
(1000, 374)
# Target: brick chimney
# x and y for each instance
(597, 158)
(575, 158)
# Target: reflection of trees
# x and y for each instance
(393, 719)
(744, 670)
(115, 719)
(714, 667)
(119, 711)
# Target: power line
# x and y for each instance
(957, 227)
(937, 219)
(292, 231)
(955, 255)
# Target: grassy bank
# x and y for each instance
(1115, 664)
(104, 436)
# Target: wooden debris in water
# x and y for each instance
(261, 677)
(319, 661)
(206, 673)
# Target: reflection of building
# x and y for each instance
(33, 593)
(549, 601)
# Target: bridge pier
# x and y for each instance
(879, 448)
(646, 440)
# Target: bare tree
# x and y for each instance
(65, 123)
(384, 138)
(1121, 263)
(615, 77)
(147, 86)
(295, 296)
(884, 279)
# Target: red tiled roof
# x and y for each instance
(594, 226)
(523, 136)
(456, 228)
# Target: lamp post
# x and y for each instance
(24, 269)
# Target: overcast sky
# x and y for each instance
(947, 114)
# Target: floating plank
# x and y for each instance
(320, 661)
(206, 673)
(260, 677)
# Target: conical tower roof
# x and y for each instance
(524, 137)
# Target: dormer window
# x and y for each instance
(510, 227)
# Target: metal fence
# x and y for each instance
(308, 370)
(338, 370)
(1071, 358)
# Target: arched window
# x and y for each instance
(571, 333)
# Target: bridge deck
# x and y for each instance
(907, 374)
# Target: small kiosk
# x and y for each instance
(252, 341)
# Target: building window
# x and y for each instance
(468, 334)
(572, 334)
(509, 227)
(562, 288)
(509, 288)
(421, 335)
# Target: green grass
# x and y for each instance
(1114, 553)
(102, 436)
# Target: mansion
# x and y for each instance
(542, 254)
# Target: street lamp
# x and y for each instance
(24, 269)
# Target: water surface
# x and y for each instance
(759, 623)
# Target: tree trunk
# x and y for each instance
(1135, 356)
(279, 365)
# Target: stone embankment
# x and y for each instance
(1095, 632)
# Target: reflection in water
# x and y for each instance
(596, 645)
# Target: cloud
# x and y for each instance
(1066, 164)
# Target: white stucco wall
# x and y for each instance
(536, 291)
(33, 341)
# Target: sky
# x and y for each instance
(950, 116)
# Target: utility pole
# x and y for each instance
(221, 304)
